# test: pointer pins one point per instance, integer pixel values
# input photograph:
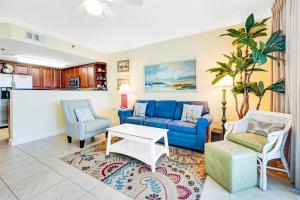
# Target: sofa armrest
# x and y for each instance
(104, 118)
(204, 121)
(124, 113)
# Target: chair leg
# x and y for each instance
(106, 134)
(263, 173)
(93, 139)
(69, 139)
(285, 163)
(81, 143)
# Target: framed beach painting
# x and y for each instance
(171, 76)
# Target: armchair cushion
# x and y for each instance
(95, 125)
(251, 140)
(263, 128)
(185, 127)
(84, 114)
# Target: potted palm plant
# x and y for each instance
(250, 55)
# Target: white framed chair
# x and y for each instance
(267, 148)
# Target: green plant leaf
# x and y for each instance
(278, 86)
(249, 23)
(218, 78)
(249, 42)
(256, 70)
(262, 59)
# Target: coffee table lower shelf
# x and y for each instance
(147, 153)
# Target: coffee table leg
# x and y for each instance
(166, 144)
(108, 143)
(153, 157)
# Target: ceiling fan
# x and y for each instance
(100, 7)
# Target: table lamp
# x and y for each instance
(124, 89)
(225, 83)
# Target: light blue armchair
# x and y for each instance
(86, 129)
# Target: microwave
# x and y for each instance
(74, 82)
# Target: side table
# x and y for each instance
(216, 134)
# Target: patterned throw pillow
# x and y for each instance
(263, 128)
(191, 113)
(139, 109)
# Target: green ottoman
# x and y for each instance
(231, 165)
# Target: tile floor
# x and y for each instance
(34, 171)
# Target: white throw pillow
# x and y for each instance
(140, 109)
(84, 114)
(191, 113)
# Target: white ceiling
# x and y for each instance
(13, 47)
(155, 21)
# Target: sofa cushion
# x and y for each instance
(135, 120)
(157, 122)
(165, 109)
(250, 140)
(185, 127)
(150, 110)
(96, 125)
(179, 107)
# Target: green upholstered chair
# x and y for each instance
(231, 165)
(267, 147)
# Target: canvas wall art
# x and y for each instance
(172, 76)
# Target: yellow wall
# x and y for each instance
(206, 47)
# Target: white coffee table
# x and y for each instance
(138, 142)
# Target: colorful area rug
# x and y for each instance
(179, 176)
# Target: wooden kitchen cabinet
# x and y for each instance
(84, 77)
(76, 72)
(56, 78)
(22, 69)
(47, 78)
(36, 73)
(91, 76)
(87, 74)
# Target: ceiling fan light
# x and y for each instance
(94, 7)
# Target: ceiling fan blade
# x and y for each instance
(110, 14)
(129, 2)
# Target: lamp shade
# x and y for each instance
(124, 88)
(225, 82)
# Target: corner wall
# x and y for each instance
(206, 47)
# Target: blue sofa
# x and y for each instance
(167, 114)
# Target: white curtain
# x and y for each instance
(293, 81)
(278, 102)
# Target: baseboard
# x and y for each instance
(14, 141)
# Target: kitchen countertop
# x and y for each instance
(63, 89)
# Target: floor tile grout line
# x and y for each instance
(9, 189)
(66, 178)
